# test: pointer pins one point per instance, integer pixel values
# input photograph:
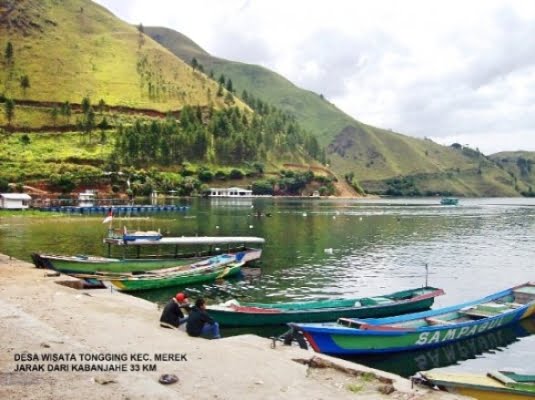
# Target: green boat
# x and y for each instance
(428, 329)
(218, 267)
(496, 385)
(82, 264)
(85, 264)
(449, 201)
(258, 314)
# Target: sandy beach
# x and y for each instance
(60, 342)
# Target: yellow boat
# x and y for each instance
(498, 385)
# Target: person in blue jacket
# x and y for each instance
(200, 323)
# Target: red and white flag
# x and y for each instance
(109, 218)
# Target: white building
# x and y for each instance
(230, 192)
(15, 201)
(87, 198)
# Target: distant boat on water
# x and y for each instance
(449, 201)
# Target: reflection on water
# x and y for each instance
(376, 246)
(409, 362)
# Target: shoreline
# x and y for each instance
(99, 329)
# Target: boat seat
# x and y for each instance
(436, 321)
(372, 301)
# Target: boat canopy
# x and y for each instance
(188, 240)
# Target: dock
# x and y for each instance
(117, 210)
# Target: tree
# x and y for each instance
(194, 63)
(4, 185)
(24, 83)
(9, 52)
(54, 114)
(101, 106)
(89, 122)
(65, 109)
(9, 110)
(86, 105)
(141, 36)
(25, 139)
(229, 85)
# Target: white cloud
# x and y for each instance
(448, 69)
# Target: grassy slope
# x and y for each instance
(73, 48)
(373, 154)
(508, 160)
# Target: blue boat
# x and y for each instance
(141, 235)
(424, 329)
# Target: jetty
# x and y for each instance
(117, 210)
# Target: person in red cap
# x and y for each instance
(172, 314)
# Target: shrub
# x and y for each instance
(220, 175)
(205, 176)
(262, 187)
(236, 174)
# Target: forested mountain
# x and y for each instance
(381, 160)
(85, 94)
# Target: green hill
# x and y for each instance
(377, 157)
(68, 51)
(521, 166)
(76, 48)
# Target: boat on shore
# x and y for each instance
(449, 201)
(496, 385)
(222, 266)
(424, 329)
(260, 314)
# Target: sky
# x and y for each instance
(452, 71)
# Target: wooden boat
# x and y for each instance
(422, 330)
(221, 266)
(82, 264)
(141, 235)
(449, 201)
(497, 385)
(408, 363)
(258, 314)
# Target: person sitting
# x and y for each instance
(172, 315)
(200, 323)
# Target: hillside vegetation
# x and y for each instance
(376, 157)
(72, 49)
(86, 97)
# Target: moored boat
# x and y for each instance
(141, 235)
(424, 329)
(85, 264)
(213, 268)
(259, 314)
(449, 201)
(498, 385)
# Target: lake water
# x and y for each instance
(340, 248)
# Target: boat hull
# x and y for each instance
(481, 387)
(131, 285)
(257, 316)
(378, 336)
(91, 265)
